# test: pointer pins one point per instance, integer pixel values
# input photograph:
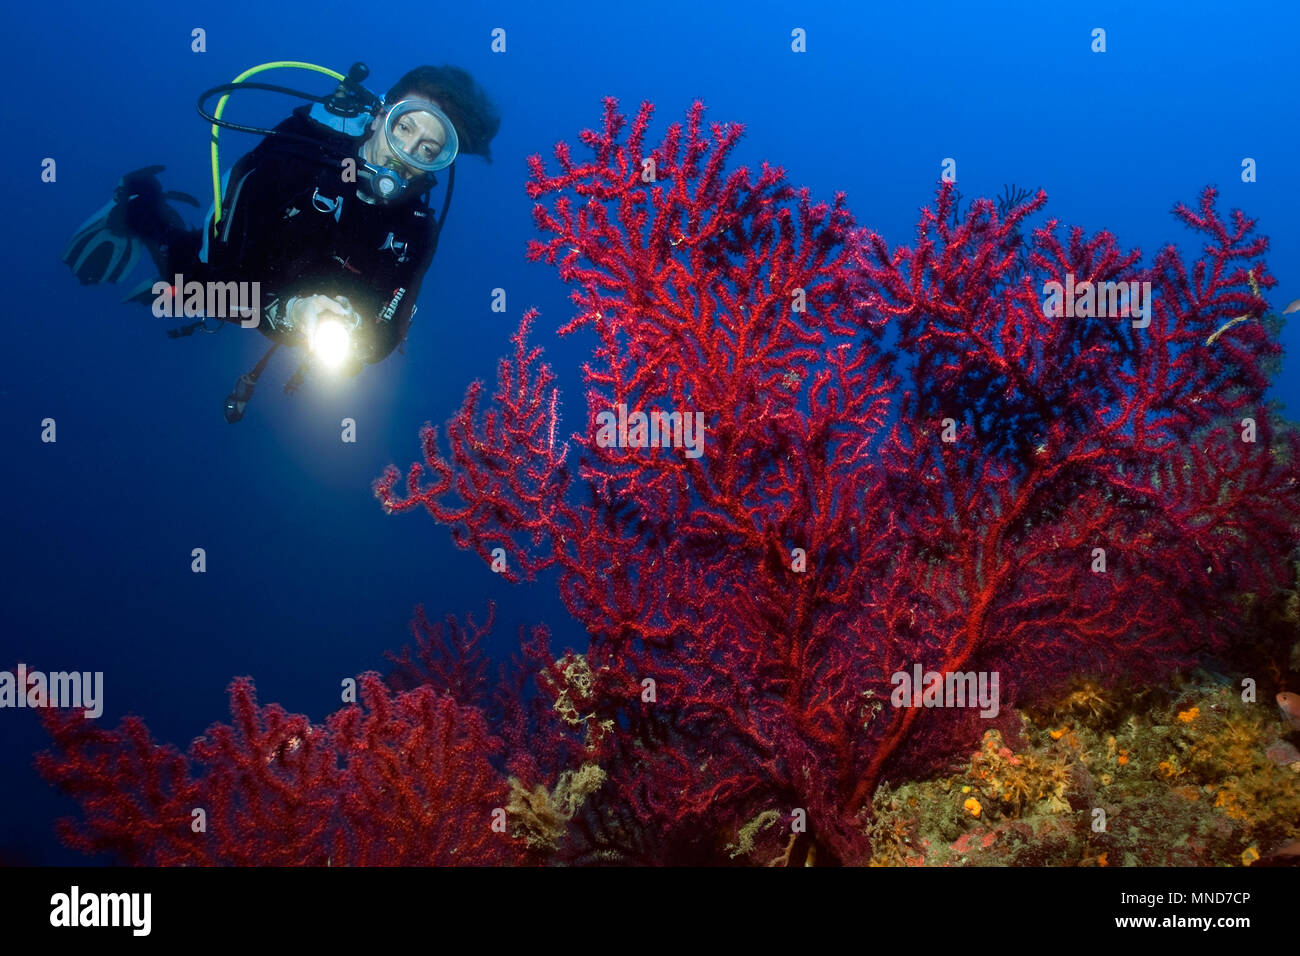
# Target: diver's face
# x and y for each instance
(418, 134)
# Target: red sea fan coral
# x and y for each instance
(446, 655)
(406, 779)
(910, 457)
(1140, 438)
(811, 462)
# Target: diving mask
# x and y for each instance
(413, 129)
(420, 140)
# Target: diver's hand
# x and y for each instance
(305, 312)
(328, 327)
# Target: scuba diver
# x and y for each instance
(327, 220)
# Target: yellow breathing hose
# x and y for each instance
(221, 105)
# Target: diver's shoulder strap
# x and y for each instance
(446, 205)
(354, 126)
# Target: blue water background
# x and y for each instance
(307, 581)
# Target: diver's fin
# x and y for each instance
(107, 246)
(179, 196)
(102, 250)
(143, 292)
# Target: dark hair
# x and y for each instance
(475, 117)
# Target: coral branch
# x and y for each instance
(408, 779)
(811, 463)
(912, 455)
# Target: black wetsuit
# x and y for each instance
(290, 222)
